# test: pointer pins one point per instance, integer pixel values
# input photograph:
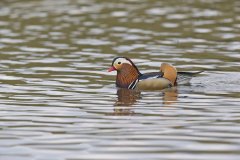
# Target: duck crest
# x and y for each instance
(127, 75)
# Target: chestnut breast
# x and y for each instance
(126, 75)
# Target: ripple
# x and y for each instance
(206, 13)
(12, 41)
(31, 49)
(158, 11)
(125, 48)
(92, 42)
(119, 14)
(202, 30)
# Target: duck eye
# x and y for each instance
(119, 62)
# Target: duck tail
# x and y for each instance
(185, 77)
(190, 73)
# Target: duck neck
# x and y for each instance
(126, 76)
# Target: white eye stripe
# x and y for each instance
(121, 60)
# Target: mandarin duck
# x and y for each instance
(128, 76)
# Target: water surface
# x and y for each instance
(58, 102)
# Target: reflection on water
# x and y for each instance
(58, 102)
(126, 99)
(170, 96)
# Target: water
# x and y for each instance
(58, 102)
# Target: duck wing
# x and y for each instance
(150, 75)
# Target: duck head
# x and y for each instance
(127, 72)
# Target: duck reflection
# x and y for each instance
(170, 96)
(126, 98)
